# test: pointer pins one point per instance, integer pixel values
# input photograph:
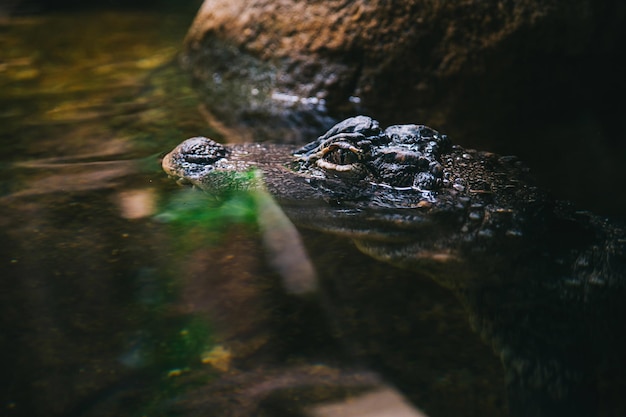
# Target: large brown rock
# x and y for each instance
(537, 78)
(405, 60)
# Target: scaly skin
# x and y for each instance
(543, 284)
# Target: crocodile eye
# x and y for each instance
(341, 154)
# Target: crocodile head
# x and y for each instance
(404, 194)
(527, 268)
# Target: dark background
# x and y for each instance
(21, 7)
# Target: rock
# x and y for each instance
(299, 66)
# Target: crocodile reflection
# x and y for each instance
(543, 283)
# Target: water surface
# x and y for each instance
(106, 309)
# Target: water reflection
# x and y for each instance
(135, 204)
(88, 291)
(71, 177)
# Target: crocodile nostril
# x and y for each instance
(201, 150)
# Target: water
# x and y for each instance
(106, 309)
(122, 294)
(88, 102)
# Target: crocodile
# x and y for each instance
(543, 283)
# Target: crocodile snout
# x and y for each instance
(194, 158)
